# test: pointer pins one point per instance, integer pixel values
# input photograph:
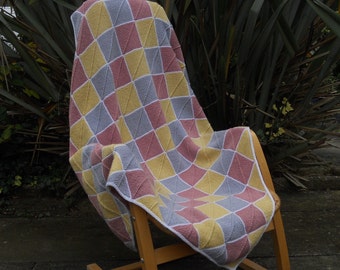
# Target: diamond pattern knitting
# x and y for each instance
(139, 135)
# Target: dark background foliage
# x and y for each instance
(271, 65)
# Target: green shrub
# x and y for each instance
(265, 64)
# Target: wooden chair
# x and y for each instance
(150, 257)
(136, 125)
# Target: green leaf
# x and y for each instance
(250, 29)
(332, 58)
(17, 181)
(22, 103)
(286, 31)
(329, 16)
(67, 5)
(262, 41)
(39, 27)
(33, 68)
(31, 93)
(6, 134)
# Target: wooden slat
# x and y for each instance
(93, 266)
(131, 266)
(251, 265)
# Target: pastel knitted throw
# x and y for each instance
(139, 135)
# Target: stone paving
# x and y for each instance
(38, 233)
(53, 237)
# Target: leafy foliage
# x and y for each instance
(271, 65)
(36, 50)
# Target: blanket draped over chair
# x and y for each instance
(138, 135)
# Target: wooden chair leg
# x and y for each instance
(250, 265)
(280, 243)
(143, 238)
(151, 257)
(276, 226)
(280, 246)
(131, 266)
(93, 266)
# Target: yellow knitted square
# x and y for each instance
(76, 161)
(213, 234)
(206, 157)
(116, 165)
(107, 150)
(127, 222)
(128, 99)
(160, 167)
(86, 98)
(162, 190)
(204, 128)
(165, 138)
(152, 203)
(255, 179)
(202, 141)
(88, 184)
(124, 131)
(98, 18)
(244, 145)
(147, 32)
(177, 84)
(92, 59)
(107, 205)
(80, 133)
(137, 63)
(213, 210)
(210, 182)
(158, 11)
(265, 206)
(168, 110)
(254, 236)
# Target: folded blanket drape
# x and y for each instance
(139, 135)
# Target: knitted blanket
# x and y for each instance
(139, 135)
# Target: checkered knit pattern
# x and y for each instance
(139, 135)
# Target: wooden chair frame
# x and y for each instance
(151, 257)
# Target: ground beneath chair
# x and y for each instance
(42, 233)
